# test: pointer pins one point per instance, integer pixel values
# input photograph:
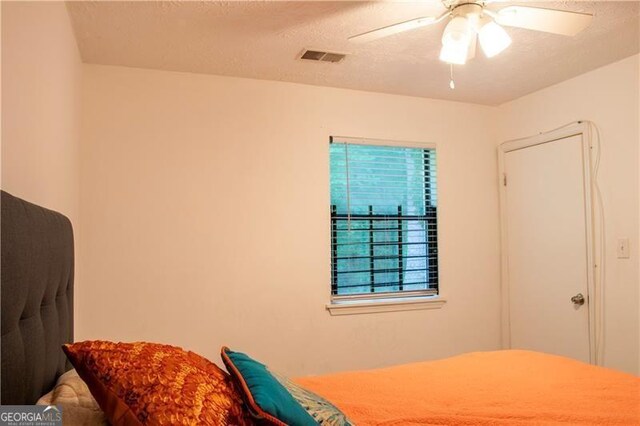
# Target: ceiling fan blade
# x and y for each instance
(548, 20)
(396, 28)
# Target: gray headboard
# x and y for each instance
(37, 298)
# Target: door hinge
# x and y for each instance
(504, 179)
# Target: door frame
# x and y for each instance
(575, 129)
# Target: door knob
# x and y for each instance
(578, 299)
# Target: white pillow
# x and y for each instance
(78, 405)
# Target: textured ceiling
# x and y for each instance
(263, 40)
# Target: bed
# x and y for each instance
(502, 387)
(484, 388)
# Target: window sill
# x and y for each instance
(385, 305)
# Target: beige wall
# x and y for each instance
(204, 200)
(205, 206)
(41, 93)
(609, 97)
(41, 79)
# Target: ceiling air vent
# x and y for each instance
(322, 56)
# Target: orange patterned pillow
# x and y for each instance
(148, 383)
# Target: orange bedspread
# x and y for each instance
(482, 388)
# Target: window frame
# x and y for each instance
(397, 300)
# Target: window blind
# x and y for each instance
(384, 238)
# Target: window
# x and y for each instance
(383, 220)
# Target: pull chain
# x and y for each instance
(452, 84)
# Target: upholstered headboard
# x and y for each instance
(37, 298)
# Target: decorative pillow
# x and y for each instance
(276, 399)
(78, 406)
(148, 383)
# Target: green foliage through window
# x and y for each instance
(383, 219)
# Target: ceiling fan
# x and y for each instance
(471, 20)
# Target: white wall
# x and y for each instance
(41, 79)
(205, 214)
(609, 97)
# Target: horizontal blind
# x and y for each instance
(383, 219)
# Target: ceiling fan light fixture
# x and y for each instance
(493, 39)
(454, 52)
(456, 40)
(457, 30)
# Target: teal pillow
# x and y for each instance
(276, 399)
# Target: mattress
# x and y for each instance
(484, 388)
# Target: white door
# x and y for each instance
(547, 250)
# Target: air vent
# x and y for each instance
(319, 55)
